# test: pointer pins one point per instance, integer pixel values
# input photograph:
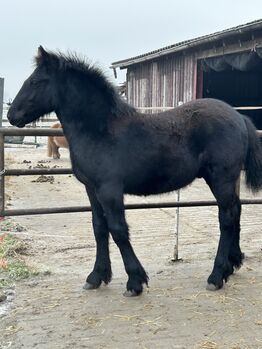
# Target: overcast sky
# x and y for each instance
(106, 31)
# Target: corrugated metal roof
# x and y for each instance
(183, 45)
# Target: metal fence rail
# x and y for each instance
(59, 132)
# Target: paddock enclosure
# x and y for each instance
(50, 310)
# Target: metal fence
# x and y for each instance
(59, 171)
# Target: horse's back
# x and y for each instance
(209, 112)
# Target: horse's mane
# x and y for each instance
(73, 62)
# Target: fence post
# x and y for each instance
(175, 255)
(1, 99)
(2, 177)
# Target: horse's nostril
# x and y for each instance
(9, 115)
(15, 117)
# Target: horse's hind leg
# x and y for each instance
(228, 254)
(102, 268)
(235, 255)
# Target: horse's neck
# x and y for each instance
(70, 128)
(82, 109)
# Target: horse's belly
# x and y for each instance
(157, 184)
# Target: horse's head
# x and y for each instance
(37, 95)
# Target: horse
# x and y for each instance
(56, 142)
(132, 153)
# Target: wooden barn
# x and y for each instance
(226, 65)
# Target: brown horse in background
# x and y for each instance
(55, 142)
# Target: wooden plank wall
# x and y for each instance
(162, 83)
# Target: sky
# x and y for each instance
(106, 31)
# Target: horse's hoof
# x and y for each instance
(88, 286)
(212, 287)
(131, 293)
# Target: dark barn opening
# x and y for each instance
(237, 80)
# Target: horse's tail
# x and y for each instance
(253, 161)
(49, 147)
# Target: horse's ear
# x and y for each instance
(41, 51)
(42, 55)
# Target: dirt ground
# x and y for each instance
(52, 310)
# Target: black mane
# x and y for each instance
(72, 62)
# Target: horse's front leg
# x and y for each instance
(102, 268)
(111, 199)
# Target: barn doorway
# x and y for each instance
(235, 79)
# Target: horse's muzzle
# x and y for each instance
(15, 118)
